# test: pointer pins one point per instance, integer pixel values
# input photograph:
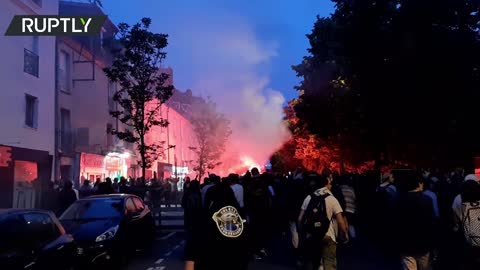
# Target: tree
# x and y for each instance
(212, 131)
(143, 89)
(395, 79)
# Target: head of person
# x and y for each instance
(194, 186)
(215, 179)
(115, 180)
(255, 171)
(233, 179)
(187, 179)
(388, 177)
(86, 183)
(206, 180)
(322, 181)
(108, 180)
(409, 180)
(431, 183)
(470, 189)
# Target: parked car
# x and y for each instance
(34, 239)
(107, 228)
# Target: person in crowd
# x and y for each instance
(219, 240)
(66, 196)
(431, 192)
(258, 203)
(105, 187)
(115, 185)
(321, 207)
(233, 180)
(466, 216)
(186, 183)
(350, 204)
(97, 183)
(413, 222)
(192, 205)
(167, 191)
(123, 186)
(86, 189)
(467, 189)
(214, 181)
(388, 185)
(296, 194)
(208, 183)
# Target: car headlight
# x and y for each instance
(108, 234)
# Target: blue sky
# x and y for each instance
(214, 44)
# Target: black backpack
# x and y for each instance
(316, 221)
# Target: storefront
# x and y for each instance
(92, 166)
(113, 165)
(116, 165)
(164, 170)
(23, 173)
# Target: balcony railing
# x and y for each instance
(30, 62)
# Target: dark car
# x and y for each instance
(34, 239)
(107, 228)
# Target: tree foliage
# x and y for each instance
(212, 131)
(142, 87)
(394, 79)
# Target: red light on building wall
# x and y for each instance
(113, 163)
(5, 156)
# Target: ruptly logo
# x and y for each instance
(54, 25)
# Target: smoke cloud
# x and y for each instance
(230, 65)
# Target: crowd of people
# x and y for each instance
(424, 218)
(154, 192)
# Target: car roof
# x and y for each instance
(109, 196)
(9, 211)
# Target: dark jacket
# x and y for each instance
(219, 240)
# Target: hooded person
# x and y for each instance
(219, 241)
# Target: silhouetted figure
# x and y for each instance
(66, 197)
(86, 189)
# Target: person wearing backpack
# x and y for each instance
(466, 208)
(319, 220)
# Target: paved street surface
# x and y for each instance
(167, 252)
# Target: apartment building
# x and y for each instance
(27, 83)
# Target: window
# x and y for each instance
(65, 131)
(109, 135)
(31, 59)
(64, 76)
(31, 111)
(111, 93)
(39, 228)
(102, 36)
(139, 204)
(130, 206)
(94, 209)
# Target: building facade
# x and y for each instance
(85, 147)
(27, 76)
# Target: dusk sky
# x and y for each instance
(226, 40)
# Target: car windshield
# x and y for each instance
(94, 209)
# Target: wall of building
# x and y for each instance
(179, 133)
(15, 83)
